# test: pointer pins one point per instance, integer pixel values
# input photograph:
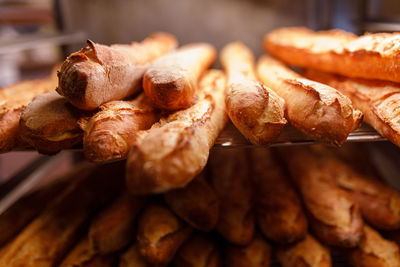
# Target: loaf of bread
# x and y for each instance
(378, 100)
(229, 174)
(160, 234)
(279, 213)
(370, 56)
(98, 73)
(111, 132)
(316, 109)
(255, 110)
(171, 82)
(174, 150)
(132, 258)
(49, 123)
(334, 217)
(197, 204)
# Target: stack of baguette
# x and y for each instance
(261, 208)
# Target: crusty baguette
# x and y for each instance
(198, 251)
(334, 217)
(255, 110)
(113, 228)
(110, 133)
(279, 213)
(176, 149)
(98, 74)
(160, 234)
(375, 251)
(13, 101)
(230, 178)
(49, 123)
(49, 236)
(132, 258)
(316, 109)
(171, 81)
(197, 204)
(255, 254)
(370, 56)
(378, 100)
(306, 253)
(82, 255)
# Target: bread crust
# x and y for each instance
(111, 132)
(132, 258)
(171, 82)
(370, 56)
(160, 234)
(174, 150)
(375, 251)
(255, 110)
(49, 123)
(316, 109)
(334, 217)
(378, 100)
(197, 204)
(98, 73)
(229, 175)
(279, 212)
(306, 253)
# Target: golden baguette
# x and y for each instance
(171, 81)
(113, 228)
(255, 110)
(110, 133)
(197, 204)
(370, 56)
(375, 251)
(378, 100)
(256, 254)
(13, 100)
(198, 251)
(279, 213)
(132, 258)
(316, 109)
(230, 173)
(82, 255)
(160, 234)
(46, 240)
(334, 217)
(176, 149)
(98, 73)
(306, 253)
(49, 123)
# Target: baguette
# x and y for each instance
(279, 213)
(198, 251)
(306, 253)
(13, 101)
(378, 100)
(82, 255)
(375, 251)
(49, 123)
(255, 254)
(113, 228)
(160, 234)
(98, 73)
(132, 258)
(46, 240)
(334, 217)
(316, 109)
(176, 149)
(255, 110)
(110, 133)
(230, 172)
(196, 204)
(171, 81)
(370, 56)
